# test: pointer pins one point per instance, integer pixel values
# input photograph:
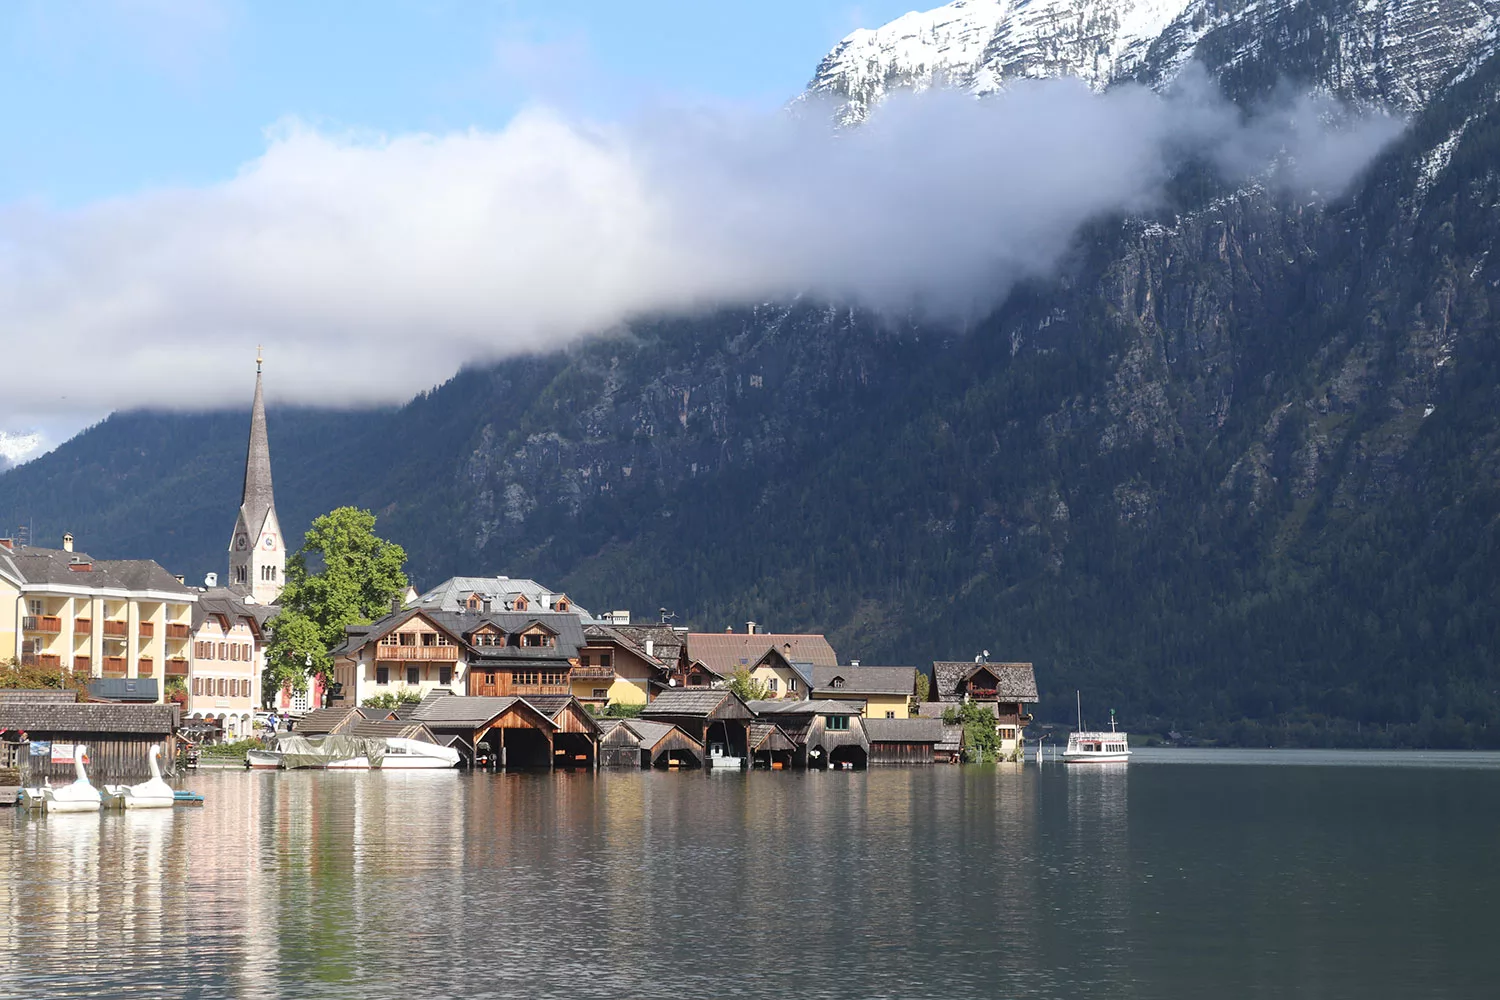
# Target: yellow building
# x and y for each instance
(885, 692)
(619, 664)
(109, 619)
(783, 661)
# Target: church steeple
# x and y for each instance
(257, 555)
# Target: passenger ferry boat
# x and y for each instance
(1084, 747)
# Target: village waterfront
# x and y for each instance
(1185, 874)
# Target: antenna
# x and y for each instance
(257, 359)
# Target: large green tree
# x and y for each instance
(344, 574)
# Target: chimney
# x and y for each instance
(853, 663)
(650, 647)
(750, 628)
(210, 580)
(487, 605)
(181, 579)
(68, 542)
(8, 544)
(396, 605)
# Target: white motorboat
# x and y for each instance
(1086, 747)
(405, 754)
(720, 759)
(263, 758)
(78, 796)
(151, 794)
(342, 753)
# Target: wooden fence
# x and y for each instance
(112, 759)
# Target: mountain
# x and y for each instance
(1234, 470)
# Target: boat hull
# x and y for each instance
(1096, 758)
(263, 759)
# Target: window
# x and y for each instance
(601, 693)
(382, 675)
(489, 679)
(839, 722)
(695, 681)
(890, 715)
(241, 574)
(413, 675)
(197, 687)
(791, 683)
(429, 638)
(536, 639)
(223, 688)
(34, 608)
(837, 682)
(389, 640)
(442, 640)
(445, 676)
(606, 659)
(248, 652)
(408, 638)
(223, 650)
(489, 639)
(771, 685)
(554, 677)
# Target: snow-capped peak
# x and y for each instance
(17, 448)
(977, 45)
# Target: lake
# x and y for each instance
(1188, 874)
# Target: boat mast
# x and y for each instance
(1079, 695)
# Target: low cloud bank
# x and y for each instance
(373, 267)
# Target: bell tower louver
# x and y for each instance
(257, 552)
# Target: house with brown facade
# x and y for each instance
(1009, 689)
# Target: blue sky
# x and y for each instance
(109, 98)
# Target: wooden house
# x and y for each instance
(904, 741)
(508, 731)
(771, 747)
(708, 715)
(617, 666)
(885, 692)
(783, 661)
(641, 743)
(118, 738)
(825, 733)
(1009, 689)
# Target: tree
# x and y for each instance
(923, 686)
(981, 735)
(747, 686)
(344, 574)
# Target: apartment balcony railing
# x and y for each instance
(145, 630)
(116, 630)
(83, 626)
(42, 623)
(51, 660)
(407, 654)
(177, 667)
(83, 665)
(114, 666)
(145, 667)
(594, 673)
(179, 631)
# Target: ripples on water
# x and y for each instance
(1181, 876)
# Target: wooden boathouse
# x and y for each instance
(640, 743)
(771, 747)
(118, 738)
(826, 733)
(903, 741)
(576, 741)
(508, 731)
(710, 716)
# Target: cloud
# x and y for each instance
(374, 266)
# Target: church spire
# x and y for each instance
(257, 498)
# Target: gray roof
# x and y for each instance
(451, 594)
(223, 601)
(257, 497)
(650, 733)
(689, 702)
(566, 626)
(1016, 681)
(823, 706)
(58, 567)
(464, 711)
(329, 720)
(666, 641)
(866, 680)
(935, 709)
(65, 696)
(726, 652)
(393, 729)
(41, 718)
(904, 730)
(137, 689)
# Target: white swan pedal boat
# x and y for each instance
(152, 794)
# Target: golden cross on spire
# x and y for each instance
(257, 359)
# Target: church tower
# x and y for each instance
(257, 552)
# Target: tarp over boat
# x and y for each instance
(321, 751)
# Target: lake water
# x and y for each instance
(1189, 874)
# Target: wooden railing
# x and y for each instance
(177, 667)
(594, 673)
(116, 630)
(145, 630)
(114, 666)
(83, 665)
(145, 667)
(404, 654)
(175, 631)
(42, 623)
(51, 660)
(83, 626)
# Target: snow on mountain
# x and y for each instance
(17, 448)
(977, 45)
(1394, 53)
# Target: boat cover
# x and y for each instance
(320, 751)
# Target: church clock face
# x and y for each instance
(241, 541)
(268, 543)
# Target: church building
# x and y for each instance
(257, 552)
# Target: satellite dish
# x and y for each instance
(671, 682)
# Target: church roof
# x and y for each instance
(257, 498)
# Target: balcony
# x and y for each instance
(116, 630)
(593, 673)
(50, 624)
(145, 630)
(177, 667)
(49, 660)
(83, 626)
(179, 631)
(145, 667)
(82, 665)
(114, 666)
(411, 654)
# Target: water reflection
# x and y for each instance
(942, 881)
